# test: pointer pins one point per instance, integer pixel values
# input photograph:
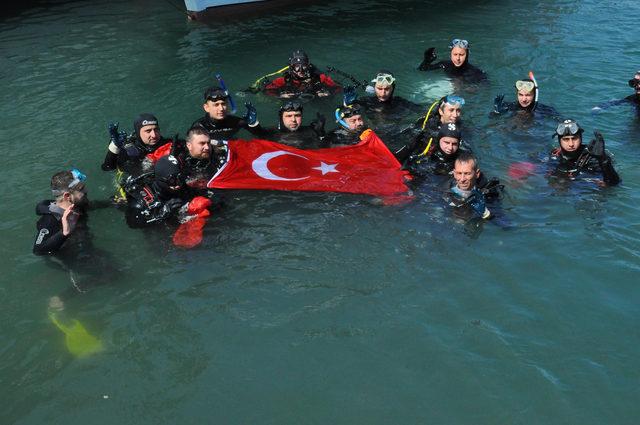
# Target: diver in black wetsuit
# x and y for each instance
(351, 126)
(60, 218)
(469, 190)
(155, 198)
(458, 66)
(633, 99)
(63, 235)
(573, 158)
(384, 102)
(198, 162)
(301, 78)
(218, 122)
(527, 101)
(128, 153)
(290, 130)
(437, 156)
(448, 111)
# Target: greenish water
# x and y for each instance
(324, 308)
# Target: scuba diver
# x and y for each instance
(527, 100)
(449, 111)
(290, 130)
(458, 66)
(384, 101)
(219, 123)
(436, 158)
(128, 153)
(135, 154)
(64, 217)
(469, 191)
(351, 125)
(63, 235)
(198, 162)
(154, 198)
(573, 158)
(300, 78)
(633, 99)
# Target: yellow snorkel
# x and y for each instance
(255, 87)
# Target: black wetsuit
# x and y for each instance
(290, 84)
(533, 109)
(466, 72)
(633, 99)
(305, 137)
(433, 162)
(130, 156)
(571, 164)
(227, 127)
(466, 204)
(390, 108)
(50, 239)
(341, 136)
(149, 204)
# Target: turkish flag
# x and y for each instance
(367, 167)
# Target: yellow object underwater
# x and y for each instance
(256, 84)
(79, 342)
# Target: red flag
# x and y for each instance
(367, 167)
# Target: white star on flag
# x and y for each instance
(326, 168)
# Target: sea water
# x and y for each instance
(324, 308)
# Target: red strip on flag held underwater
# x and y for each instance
(367, 168)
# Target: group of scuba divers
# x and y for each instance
(160, 179)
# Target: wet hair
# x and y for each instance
(60, 182)
(466, 156)
(196, 130)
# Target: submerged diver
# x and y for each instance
(527, 100)
(437, 158)
(573, 158)
(351, 125)
(633, 99)
(301, 78)
(290, 130)
(457, 66)
(219, 123)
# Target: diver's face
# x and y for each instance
(570, 143)
(525, 98)
(465, 174)
(149, 134)
(355, 122)
(450, 113)
(383, 93)
(199, 146)
(217, 109)
(449, 145)
(458, 56)
(78, 195)
(292, 120)
(637, 78)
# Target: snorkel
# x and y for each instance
(224, 87)
(535, 86)
(339, 119)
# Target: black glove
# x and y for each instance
(251, 117)
(429, 57)
(171, 206)
(116, 137)
(498, 105)
(596, 147)
(349, 95)
(317, 125)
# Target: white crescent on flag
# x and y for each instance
(261, 166)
